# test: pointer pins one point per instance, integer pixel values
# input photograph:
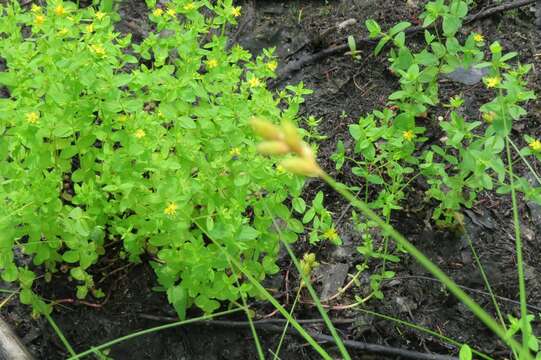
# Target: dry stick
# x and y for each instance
(340, 49)
(273, 325)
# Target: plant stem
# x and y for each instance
(151, 330)
(60, 334)
(426, 263)
(520, 264)
(277, 351)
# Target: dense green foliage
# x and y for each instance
(108, 142)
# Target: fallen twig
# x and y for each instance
(276, 325)
(340, 49)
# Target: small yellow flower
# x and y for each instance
(122, 118)
(492, 81)
(89, 28)
(254, 82)
(59, 10)
(98, 49)
(272, 65)
(212, 63)
(99, 15)
(189, 6)
(408, 135)
(35, 8)
(489, 116)
(39, 19)
(171, 209)
(63, 32)
(535, 145)
(172, 12)
(478, 37)
(157, 12)
(234, 152)
(235, 11)
(32, 117)
(140, 133)
(330, 234)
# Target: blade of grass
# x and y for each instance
(315, 297)
(485, 280)
(276, 353)
(60, 334)
(427, 264)
(268, 296)
(148, 331)
(425, 330)
(530, 167)
(246, 310)
(518, 249)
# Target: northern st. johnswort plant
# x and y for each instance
(149, 148)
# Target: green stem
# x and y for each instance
(267, 296)
(60, 334)
(520, 265)
(425, 330)
(426, 263)
(245, 307)
(277, 352)
(315, 297)
(534, 173)
(151, 330)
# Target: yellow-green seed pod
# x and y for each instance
(266, 130)
(292, 137)
(273, 148)
(304, 167)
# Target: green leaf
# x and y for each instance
(186, 122)
(177, 296)
(451, 24)
(71, 256)
(77, 273)
(373, 28)
(82, 291)
(247, 233)
(299, 205)
(465, 352)
(10, 273)
(401, 26)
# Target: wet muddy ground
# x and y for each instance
(344, 89)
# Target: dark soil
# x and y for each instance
(344, 89)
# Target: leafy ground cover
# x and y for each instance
(347, 88)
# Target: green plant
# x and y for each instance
(284, 141)
(113, 142)
(472, 156)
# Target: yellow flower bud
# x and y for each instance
(273, 148)
(304, 167)
(292, 138)
(266, 130)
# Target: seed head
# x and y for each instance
(303, 167)
(273, 148)
(266, 130)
